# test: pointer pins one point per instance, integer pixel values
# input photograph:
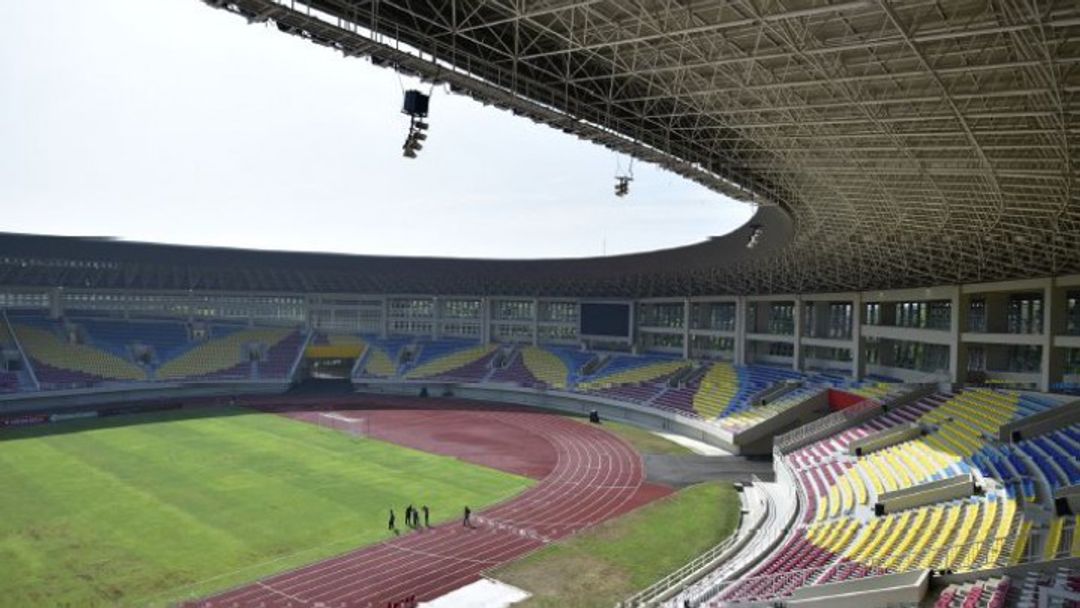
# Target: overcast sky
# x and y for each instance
(166, 120)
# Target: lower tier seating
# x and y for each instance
(449, 359)
(986, 593)
(59, 362)
(226, 357)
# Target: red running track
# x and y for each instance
(586, 475)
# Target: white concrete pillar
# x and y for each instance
(797, 351)
(957, 323)
(385, 321)
(56, 304)
(740, 330)
(536, 322)
(1047, 371)
(686, 328)
(485, 320)
(858, 356)
(436, 315)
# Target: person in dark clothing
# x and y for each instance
(393, 521)
(467, 520)
(409, 516)
(427, 517)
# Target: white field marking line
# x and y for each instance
(406, 585)
(342, 418)
(589, 502)
(440, 556)
(281, 593)
(599, 486)
(302, 578)
(490, 543)
(357, 563)
(574, 446)
(368, 580)
(446, 574)
(510, 527)
(441, 574)
(326, 578)
(177, 590)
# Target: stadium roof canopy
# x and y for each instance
(890, 143)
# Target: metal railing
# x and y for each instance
(672, 583)
(757, 542)
(299, 356)
(22, 353)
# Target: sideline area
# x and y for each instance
(603, 565)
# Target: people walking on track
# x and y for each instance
(427, 517)
(467, 520)
(409, 516)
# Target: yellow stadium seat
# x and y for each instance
(46, 347)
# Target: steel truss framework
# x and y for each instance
(913, 142)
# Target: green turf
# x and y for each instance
(176, 506)
(610, 562)
(644, 442)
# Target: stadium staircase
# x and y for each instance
(8, 337)
(230, 356)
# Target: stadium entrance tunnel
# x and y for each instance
(329, 362)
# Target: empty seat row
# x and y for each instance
(448, 360)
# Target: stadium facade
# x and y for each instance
(1023, 333)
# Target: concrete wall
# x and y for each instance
(758, 439)
(55, 401)
(870, 592)
(883, 439)
(610, 409)
(1042, 423)
(1067, 500)
(952, 488)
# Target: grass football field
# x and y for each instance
(605, 564)
(154, 508)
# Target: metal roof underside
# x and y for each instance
(912, 143)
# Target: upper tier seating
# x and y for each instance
(726, 389)
(515, 372)
(634, 393)
(58, 362)
(574, 360)
(380, 359)
(335, 339)
(222, 357)
(280, 357)
(167, 338)
(9, 381)
(1056, 455)
(629, 369)
(749, 417)
(437, 359)
(718, 389)
(544, 365)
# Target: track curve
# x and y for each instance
(586, 476)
